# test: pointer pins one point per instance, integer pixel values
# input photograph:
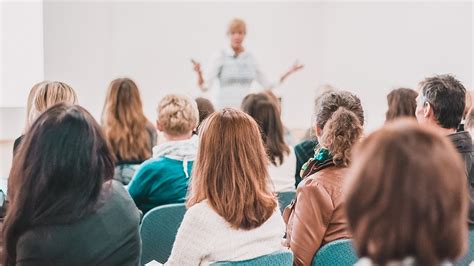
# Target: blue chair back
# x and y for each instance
(285, 198)
(279, 258)
(469, 257)
(339, 252)
(158, 231)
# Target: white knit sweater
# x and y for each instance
(205, 237)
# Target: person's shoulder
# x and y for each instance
(202, 212)
(318, 179)
(249, 56)
(116, 199)
(200, 208)
(328, 181)
(113, 190)
(154, 164)
(305, 144)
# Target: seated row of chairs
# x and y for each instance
(160, 225)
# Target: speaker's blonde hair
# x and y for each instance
(237, 24)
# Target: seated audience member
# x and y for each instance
(42, 96)
(130, 135)
(205, 108)
(317, 215)
(440, 104)
(401, 103)
(282, 157)
(306, 148)
(164, 178)
(233, 214)
(404, 207)
(63, 203)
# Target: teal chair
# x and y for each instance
(469, 257)
(279, 258)
(158, 231)
(285, 198)
(339, 252)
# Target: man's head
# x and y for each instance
(441, 101)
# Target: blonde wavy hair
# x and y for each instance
(124, 123)
(177, 114)
(46, 94)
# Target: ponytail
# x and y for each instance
(340, 133)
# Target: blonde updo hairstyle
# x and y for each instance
(177, 114)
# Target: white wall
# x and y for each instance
(371, 48)
(21, 54)
(21, 50)
(21, 65)
(88, 44)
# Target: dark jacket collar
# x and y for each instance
(462, 141)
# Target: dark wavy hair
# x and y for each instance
(57, 173)
(401, 103)
(267, 115)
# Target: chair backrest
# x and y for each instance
(279, 258)
(469, 257)
(158, 231)
(339, 252)
(284, 198)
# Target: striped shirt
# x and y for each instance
(235, 75)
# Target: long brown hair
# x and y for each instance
(125, 126)
(57, 173)
(266, 113)
(340, 116)
(408, 196)
(230, 171)
(401, 102)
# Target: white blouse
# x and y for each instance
(283, 175)
(235, 74)
(205, 237)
